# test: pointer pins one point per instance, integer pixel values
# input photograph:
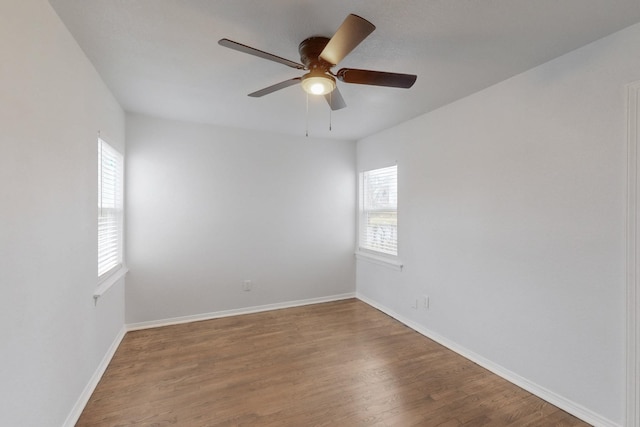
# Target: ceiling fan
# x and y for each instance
(319, 54)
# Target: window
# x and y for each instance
(379, 211)
(110, 209)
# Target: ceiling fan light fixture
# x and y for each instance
(318, 84)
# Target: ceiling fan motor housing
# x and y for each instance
(310, 50)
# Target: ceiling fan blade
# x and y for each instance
(253, 51)
(351, 33)
(376, 78)
(275, 87)
(335, 100)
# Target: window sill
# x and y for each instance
(109, 282)
(392, 263)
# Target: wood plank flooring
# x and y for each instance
(335, 364)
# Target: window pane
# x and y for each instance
(382, 232)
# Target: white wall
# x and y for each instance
(209, 207)
(512, 220)
(52, 103)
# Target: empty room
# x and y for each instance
(292, 213)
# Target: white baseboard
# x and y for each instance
(236, 312)
(543, 393)
(75, 413)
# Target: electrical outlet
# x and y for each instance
(247, 285)
(425, 302)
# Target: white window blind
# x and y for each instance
(110, 208)
(379, 211)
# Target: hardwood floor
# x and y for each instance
(336, 364)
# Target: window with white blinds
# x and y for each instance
(110, 208)
(379, 211)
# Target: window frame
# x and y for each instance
(364, 251)
(114, 210)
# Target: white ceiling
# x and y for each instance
(161, 57)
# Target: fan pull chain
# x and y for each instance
(330, 109)
(307, 118)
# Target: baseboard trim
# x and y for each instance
(543, 393)
(235, 312)
(75, 413)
